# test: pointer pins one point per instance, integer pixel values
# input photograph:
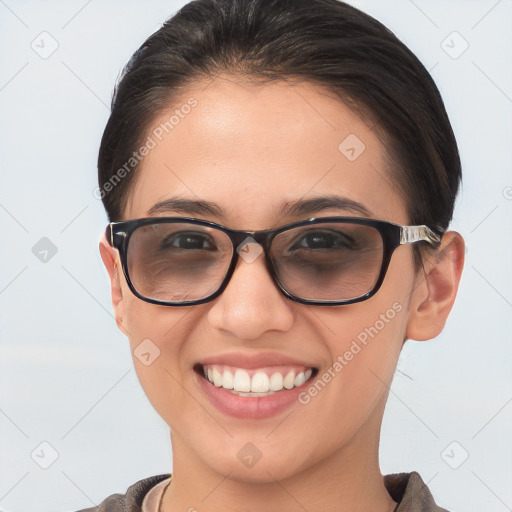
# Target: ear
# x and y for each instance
(436, 288)
(113, 265)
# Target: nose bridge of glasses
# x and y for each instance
(241, 238)
(251, 246)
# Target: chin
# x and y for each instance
(265, 470)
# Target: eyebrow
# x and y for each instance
(321, 203)
(289, 208)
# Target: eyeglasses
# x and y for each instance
(328, 261)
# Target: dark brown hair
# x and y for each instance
(323, 42)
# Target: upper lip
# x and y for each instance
(251, 361)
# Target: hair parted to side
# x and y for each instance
(322, 42)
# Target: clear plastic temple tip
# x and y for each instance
(411, 234)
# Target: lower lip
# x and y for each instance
(249, 407)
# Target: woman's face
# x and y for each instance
(251, 150)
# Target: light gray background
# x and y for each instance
(66, 374)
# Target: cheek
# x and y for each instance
(364, 341)
(156, 336)
(161, 356)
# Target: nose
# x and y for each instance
(251, 303)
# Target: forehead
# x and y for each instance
(252, 148)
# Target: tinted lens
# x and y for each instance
(178, 262)
(329, 262)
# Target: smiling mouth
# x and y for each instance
(257, 382)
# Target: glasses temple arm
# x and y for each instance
(108, 235)
(409, 234)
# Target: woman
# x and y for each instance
(279, 177)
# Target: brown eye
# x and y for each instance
(188, 241)
(324, 240)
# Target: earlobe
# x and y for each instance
(436, 289)
(111, 262)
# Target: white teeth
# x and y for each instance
(217, 377)
(227, 380)
(299, 379)
(276, 382)
(288, 381)
(260, 383)
(242, 381)
(240, 393)
(239, 381)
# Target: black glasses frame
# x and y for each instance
(393, 235)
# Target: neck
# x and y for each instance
(348, 480)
